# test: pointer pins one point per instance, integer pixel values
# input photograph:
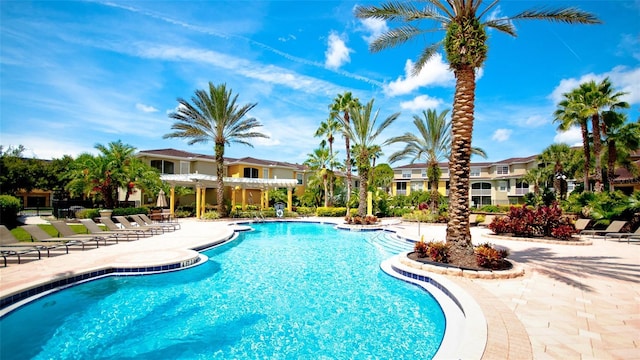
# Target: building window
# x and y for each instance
(481, 189)
(503, 185)
(265, 173)
(444, 171)
(522, 187)
(251, 173)
(299, 178)
(416, 186)
(165, 167)
(480, 201)
(401, 188)
(423, 174)
(185, 167)
(475, 172)
(406, 174)
(502, 170)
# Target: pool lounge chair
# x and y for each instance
(10, 246)
(114, 227)
(581, 224)
(148, 229)
(138, 220)
(614, 227)
(629, 236)
(154, 230)
(119, 234)
(147, 221)
(42, 236)
(66, 231)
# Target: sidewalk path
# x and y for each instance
(575, 302)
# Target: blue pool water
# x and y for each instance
(283, 291)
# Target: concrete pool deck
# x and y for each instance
(574, 302)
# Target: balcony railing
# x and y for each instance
(522, 191)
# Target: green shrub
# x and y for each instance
(130, 211)
(332, 211)
(182, 214)
(211, 215)
(87, 214)
(9, 208)
(302, 210)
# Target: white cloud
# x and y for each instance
(374, 28)
(536, 121)
(624, 79)
(434, 73)
(501, 135)
(287, 38)
(146, 108)
(572, 137)
(422, 102)
(337, 53)
(629, 45)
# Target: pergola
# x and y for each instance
(202, 182)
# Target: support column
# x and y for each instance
(266, 198)
(262, 199)
(198, 195)
(244, 199)
(172, 201)
(369, 203)
(289, 198)
(233, 200)
(203, 201)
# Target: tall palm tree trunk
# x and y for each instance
(597, 149)
(364, 181)
(219, 154)
(612, 155)
(331, 179)
(458, 233)
(348, 160)
(587, 153)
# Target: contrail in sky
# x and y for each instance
(227, 36)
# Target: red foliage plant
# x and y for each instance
(530, 222)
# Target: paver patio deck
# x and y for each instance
(574, 302)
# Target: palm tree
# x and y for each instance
(340, 109)
(215, 116)
(621, 138)
(432, 143)
(321, 161)
(328, 129)
(362, 130)
(594, 98)
(568, 115)
(554, 157)
(465, 45)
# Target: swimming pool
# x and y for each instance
(282, 291)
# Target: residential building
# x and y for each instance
(492, 183)
(247, 180)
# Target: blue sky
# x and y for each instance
(75, 74)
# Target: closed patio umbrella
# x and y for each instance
(162, 200)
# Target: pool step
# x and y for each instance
(390, 243)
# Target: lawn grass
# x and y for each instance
(23, 235)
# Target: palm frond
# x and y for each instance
(394, 37)
(388, 11)
(569, 15)
(426, 55)
(504, 25)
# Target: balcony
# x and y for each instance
(521, 191)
